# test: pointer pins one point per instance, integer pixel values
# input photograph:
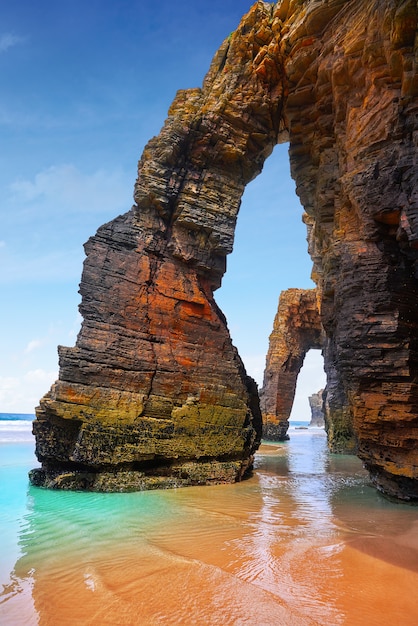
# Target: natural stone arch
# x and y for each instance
(154, 393)
(297, 329)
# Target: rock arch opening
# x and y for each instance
(311, 381)
(269, 254)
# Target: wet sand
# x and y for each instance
(305, 541)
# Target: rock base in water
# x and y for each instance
(125, 480)
(276, 432)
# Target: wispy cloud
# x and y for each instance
(8, 40)
(254, 364)
(55, 211)
(310, 380)
(75, 328)
(40, 376)
(74, 190)
(33, 345)
(48, 266)
(21, 394)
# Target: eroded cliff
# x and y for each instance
(352, 117)
(154, 393)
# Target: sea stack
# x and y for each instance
(316, 406)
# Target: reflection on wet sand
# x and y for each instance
(304, 541)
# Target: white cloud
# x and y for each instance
(32, 345)
(255, 364)
(21, 394)
(8, 384)
(40, 376)
(69, 190)
(8, 40)
(49, 266)
(311, 379)
(75, 329)
(55, 212)
(2, 244)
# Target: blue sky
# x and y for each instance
(84, 86)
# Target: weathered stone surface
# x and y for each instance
(297, 328)
(154, 381)
(352, 116)
(316, 404)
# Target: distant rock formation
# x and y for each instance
(154, 393)
(317, 413)
(297, 328)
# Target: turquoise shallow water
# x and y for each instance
(306, 540)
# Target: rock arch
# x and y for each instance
(154, 393)
(297, 328)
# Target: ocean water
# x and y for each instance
(305, 541)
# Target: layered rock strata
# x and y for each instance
(154, 392)
(352, 118)
(297, 329)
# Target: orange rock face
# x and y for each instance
(153, 393)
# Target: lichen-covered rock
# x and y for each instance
(297, 328)
(154, 382)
